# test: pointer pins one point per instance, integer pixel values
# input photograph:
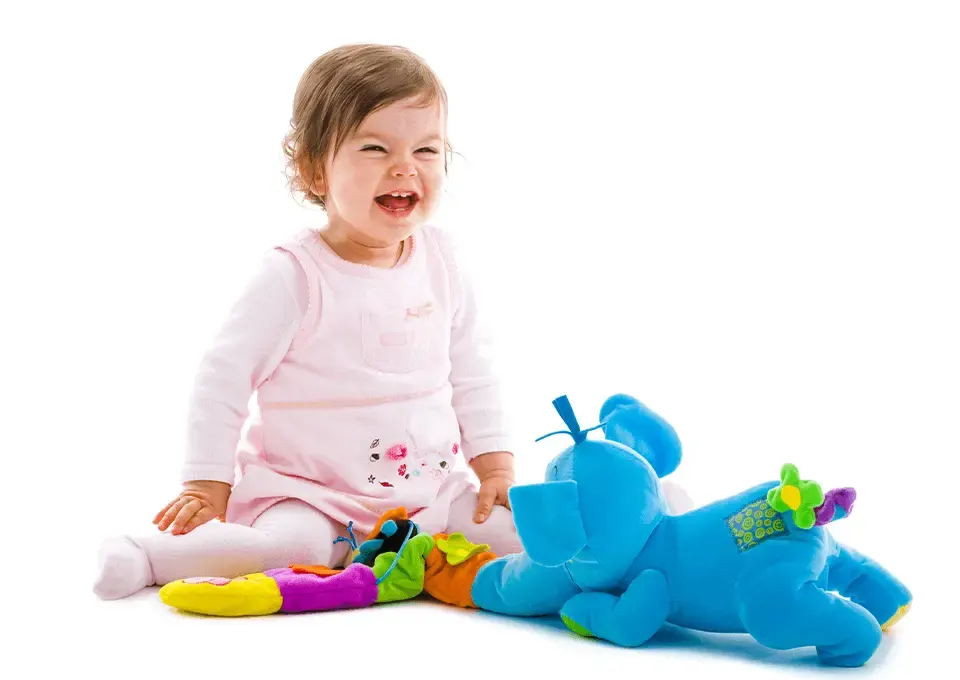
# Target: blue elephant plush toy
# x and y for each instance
(602, 550)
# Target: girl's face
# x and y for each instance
(386, 179)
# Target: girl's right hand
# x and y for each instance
(198, 503)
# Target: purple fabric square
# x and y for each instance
(355, 586)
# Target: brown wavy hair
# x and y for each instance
(338, 91)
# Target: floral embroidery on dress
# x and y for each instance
(397, 452)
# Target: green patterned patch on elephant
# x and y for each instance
(756, 523)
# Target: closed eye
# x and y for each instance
(378, 148)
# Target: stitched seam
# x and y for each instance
(310, 272)
(573, 581)
(348, 403)
(452, 272)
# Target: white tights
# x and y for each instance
(289, 532)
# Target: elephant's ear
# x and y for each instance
(632, 424)
(548, 521)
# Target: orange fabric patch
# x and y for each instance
(452, 584)
(395, 514)
(318, 569)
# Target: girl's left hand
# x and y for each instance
(495, 472)
(493, 491)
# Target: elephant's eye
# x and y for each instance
(556, 470)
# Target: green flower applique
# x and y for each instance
(801, 496)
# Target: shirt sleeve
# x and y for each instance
(258, 331)
(484, 427)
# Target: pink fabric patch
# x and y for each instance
(214, 580)
(397, 452)
(393, 339)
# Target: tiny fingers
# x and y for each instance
(485, 501)
(187, 512)
(203, 515)
(159, 515)
(170, 513)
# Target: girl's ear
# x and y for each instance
(311, 175)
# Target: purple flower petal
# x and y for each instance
(825, 512)
(845, 498)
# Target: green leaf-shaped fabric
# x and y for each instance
(458, 549)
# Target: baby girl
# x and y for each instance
(363, 344)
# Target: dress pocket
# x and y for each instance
(402, 341)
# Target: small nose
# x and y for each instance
(404, 169)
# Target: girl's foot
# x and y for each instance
(124, 569)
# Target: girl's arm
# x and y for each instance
(476, 384)
(252, 341)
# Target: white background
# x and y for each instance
(743, 213)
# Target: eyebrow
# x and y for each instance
(373, 135)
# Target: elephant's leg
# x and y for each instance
(783, 614)
(628, 620)
(517, 586)
(871, 586)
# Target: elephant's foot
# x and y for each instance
(871, 586)
(892, 621)
(575, 627)
(783, 616)
(629, 620)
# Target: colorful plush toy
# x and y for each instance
(396, 563)
(602, 551)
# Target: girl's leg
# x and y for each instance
(498, 531)
(289, 532)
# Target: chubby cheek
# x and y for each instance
(433, 184)
(351, 184)
(354, 199)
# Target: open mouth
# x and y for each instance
(398, 203)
